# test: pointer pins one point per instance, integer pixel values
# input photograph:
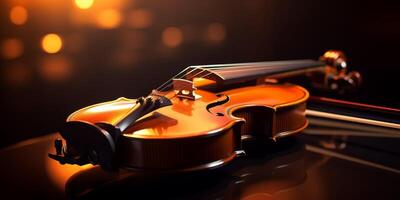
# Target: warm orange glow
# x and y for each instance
(108, 19)
(18, 15)
(216, 32)
(84, 4)
(199, 82)
(60, 174)
(55, 68)
(110, 107)
(172, 37)
(110, 112)
(114, 4)
(12, 48)
(332, 54)
(140, 19)
(51, 43)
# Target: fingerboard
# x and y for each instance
(229, 73)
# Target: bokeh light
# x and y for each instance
(172, 37)
(140, 19)
(114, 4)
(18, 15)
(52, 43)
(216, 32)
(108, 19)
(55, 68)
(84, 4)
(12, 48)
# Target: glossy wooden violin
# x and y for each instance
(200, 117)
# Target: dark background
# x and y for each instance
(95, 64)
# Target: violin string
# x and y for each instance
(253, 68)
(234, 68)
(261, 64)
(269, 67)
(205, 75)
(209, 73)
(168, 82)
(163, 86)
(194, 76)
(202, 70)
(225, 68)
(258, 68)
(228, 69)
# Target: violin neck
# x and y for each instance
(241, 72)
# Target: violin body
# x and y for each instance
(188, 136)
(199, 118)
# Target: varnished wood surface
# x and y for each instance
(188, 118)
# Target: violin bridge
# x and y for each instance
(185, 89)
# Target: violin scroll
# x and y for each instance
(336, 76)
(335, 59)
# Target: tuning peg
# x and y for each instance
(345, 82)
(336, 59)
(337, 75)
(140, 100)
(355, 78)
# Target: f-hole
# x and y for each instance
(217, 103)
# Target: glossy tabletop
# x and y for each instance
(328, 160)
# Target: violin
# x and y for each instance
(200, 118)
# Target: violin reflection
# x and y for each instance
(354, 142)
(254, 176)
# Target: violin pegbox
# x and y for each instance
(185, 89)
(337, 76)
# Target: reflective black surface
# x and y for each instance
(329, 160)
